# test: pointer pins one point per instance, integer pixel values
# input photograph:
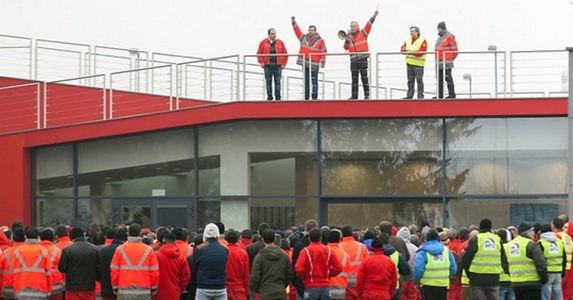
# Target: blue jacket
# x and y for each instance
(403, 267)
(209, 262)
(435, 248)
(106, 256)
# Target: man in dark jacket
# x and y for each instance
(81, 262)
(401, 264)
(119, 237)
(209, 262)
(254, 249)
(271, 272)
(527, 265)
(483, 261)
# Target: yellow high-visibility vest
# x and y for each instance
(411, 59)
(568, 244)
(396, 259)
(437, 271)
(487, 259)
(553, 252)
(521, 268)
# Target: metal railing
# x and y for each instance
(127, 82)
(20, 107)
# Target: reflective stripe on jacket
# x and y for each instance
(54, 254)
(358, 42)
(311, 48)
(487, 259)
(338, 284)
(31, 270)
(412, 58)
(568, 244)
(357, 253)
(553, 252)
(521, 267)
(437, 271)
(134, 269)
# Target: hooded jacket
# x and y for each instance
(404, 234)
(237, 268)
(4, 241)
(271, 273)
(434, 247)
(552, 237)
(174, 272)
(377, 276)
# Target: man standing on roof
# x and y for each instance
(357, 44)
(272, 63)
(446, 52)
(415, 49)
(312, 48)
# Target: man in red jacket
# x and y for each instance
(237, 268)
(377, 275)
(272, 62)
(175, 273)
(315, 265)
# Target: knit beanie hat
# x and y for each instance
(211, 232)
(377, 245)
(545, 228)
(485, 224)
(524, 228)
(442, 25)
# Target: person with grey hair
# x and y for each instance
(434, 267)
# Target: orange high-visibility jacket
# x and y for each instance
(63, 242)
(338, 284)
(31, 270)
(6, 268)
(134, 268)
(54, 254)
(358, 42)
(310, 45)
(357, 253)
(184, 249)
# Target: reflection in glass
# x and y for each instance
(52, 212)
(140, 214)
(209, 211)
(368, 215)
(282, 213)
(54, 169)
(505, 212)
(94, 211)
(508, 156)
(283, 173)
(385, 156)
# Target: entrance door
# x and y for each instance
(369, 212)
(152, 213)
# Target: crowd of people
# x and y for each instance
(531, 261)
(272, 56)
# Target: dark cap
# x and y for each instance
(485, 224)
(524, 228)
(442, 25)
(545, 228)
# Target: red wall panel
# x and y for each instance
(15, 179)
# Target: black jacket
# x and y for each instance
(81, 262)
(105, 278)
(271, 273)
(254, 249)
(302, 243)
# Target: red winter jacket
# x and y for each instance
(377, 277)
(174, 274)
(265, 48)
(316, 264)
(237, 268)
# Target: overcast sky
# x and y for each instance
(221, 27)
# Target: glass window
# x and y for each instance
(249, 151)
(505, 212)
(507, 156)
(54, 171)
(362, 215)
(53, 212)
(141, 165)
(209, 211)
(94, 211)
(282, 213)
(377, 157)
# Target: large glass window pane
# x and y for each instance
(507, 156)
(94, 211)
(282, 213)
(158, 164)
(505, 212)
(209, 211)
(382, 157)
(249, 151)
(367, 215)
(53, 212)
(54, 171)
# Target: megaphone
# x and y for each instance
(342, 34)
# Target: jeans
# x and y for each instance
(273, 72)
(553, 286)
(484, 292)
(360, 66)
(203, 294)
(317, 294)
(506, 293)
(314, 78)
(449, 81)
(415, 74)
